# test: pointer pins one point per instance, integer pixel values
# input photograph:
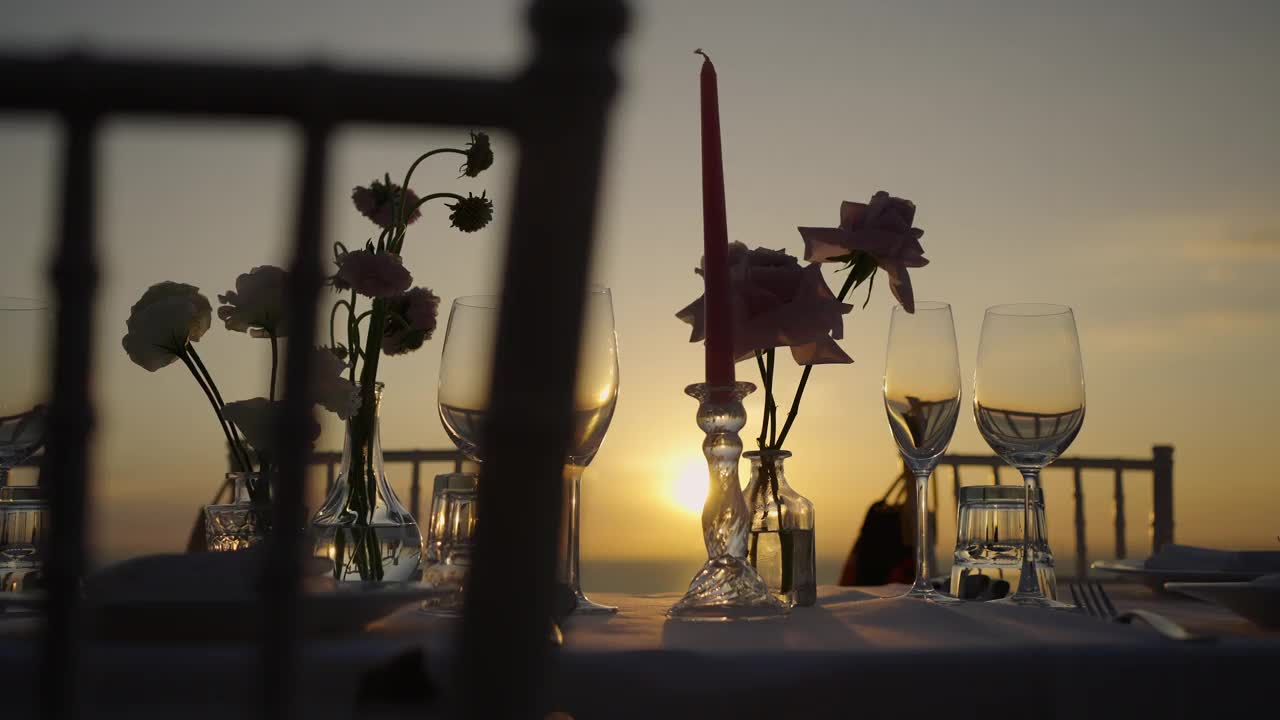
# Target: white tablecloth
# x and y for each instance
(853, 655)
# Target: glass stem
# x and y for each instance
(571, 509)
(1029, 582)
(922, 532)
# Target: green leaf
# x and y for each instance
(863, 267)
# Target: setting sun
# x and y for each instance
(689, 485)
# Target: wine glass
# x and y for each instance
(922, 400)
(24, 325)
(24, 511)
(463, 400)
(465, 366)
(1028, 400)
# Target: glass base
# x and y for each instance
(1034, 600)
(727, 588)
(930, 595)
(587, 606)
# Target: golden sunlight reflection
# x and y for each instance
(688, 488)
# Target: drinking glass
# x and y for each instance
(463, 399)
(1029, 404)
(922, 400)
(989, 534)
(24, 510)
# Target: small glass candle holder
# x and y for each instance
(988, 555)
(727, 587)
(450, 540)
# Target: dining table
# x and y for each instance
(858, 652)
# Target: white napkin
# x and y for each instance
(1188, 557)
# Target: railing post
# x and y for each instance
(562, 104)
(282, 578)
(1082, 560)
(1121, 550)
(955, 485)
(415, 492)
(1162, 497)
(64, 473)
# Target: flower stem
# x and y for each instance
(236, 450)
(404, 188)
(235, 433)
(275, 362)
(849, 284)
(772, 400)
(401, 228)
(353, 334)
(768, 392)
(333, 318)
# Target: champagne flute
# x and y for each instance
(463, 400)
(922, 400)
(1029, 404)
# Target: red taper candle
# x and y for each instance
(715, 237)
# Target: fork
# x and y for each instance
(1092, 598)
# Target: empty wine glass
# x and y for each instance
(465, 365)
(922, 400)
(1028, 400)
(24, 511)
(23, 331)
(463, 400)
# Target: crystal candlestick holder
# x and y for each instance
(727, 587)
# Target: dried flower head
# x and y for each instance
(471, 213)
(479, 155)
(380, 202)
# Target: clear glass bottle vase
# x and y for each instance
(362, 526)
(781, 544)
(240, 523)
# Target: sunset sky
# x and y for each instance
(1119, 157)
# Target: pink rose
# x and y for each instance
(380, 203)
(418, 308)
(375, 275)
(881, 229)
(778, 303)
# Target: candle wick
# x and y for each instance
(699, 52)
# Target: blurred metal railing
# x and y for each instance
(1160, 465)
(556, 109)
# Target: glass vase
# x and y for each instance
(362, 526)
(781, 546)
(239, 524)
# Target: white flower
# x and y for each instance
(257, 304)
(167, 317)
(333, 391)
(255, 418)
